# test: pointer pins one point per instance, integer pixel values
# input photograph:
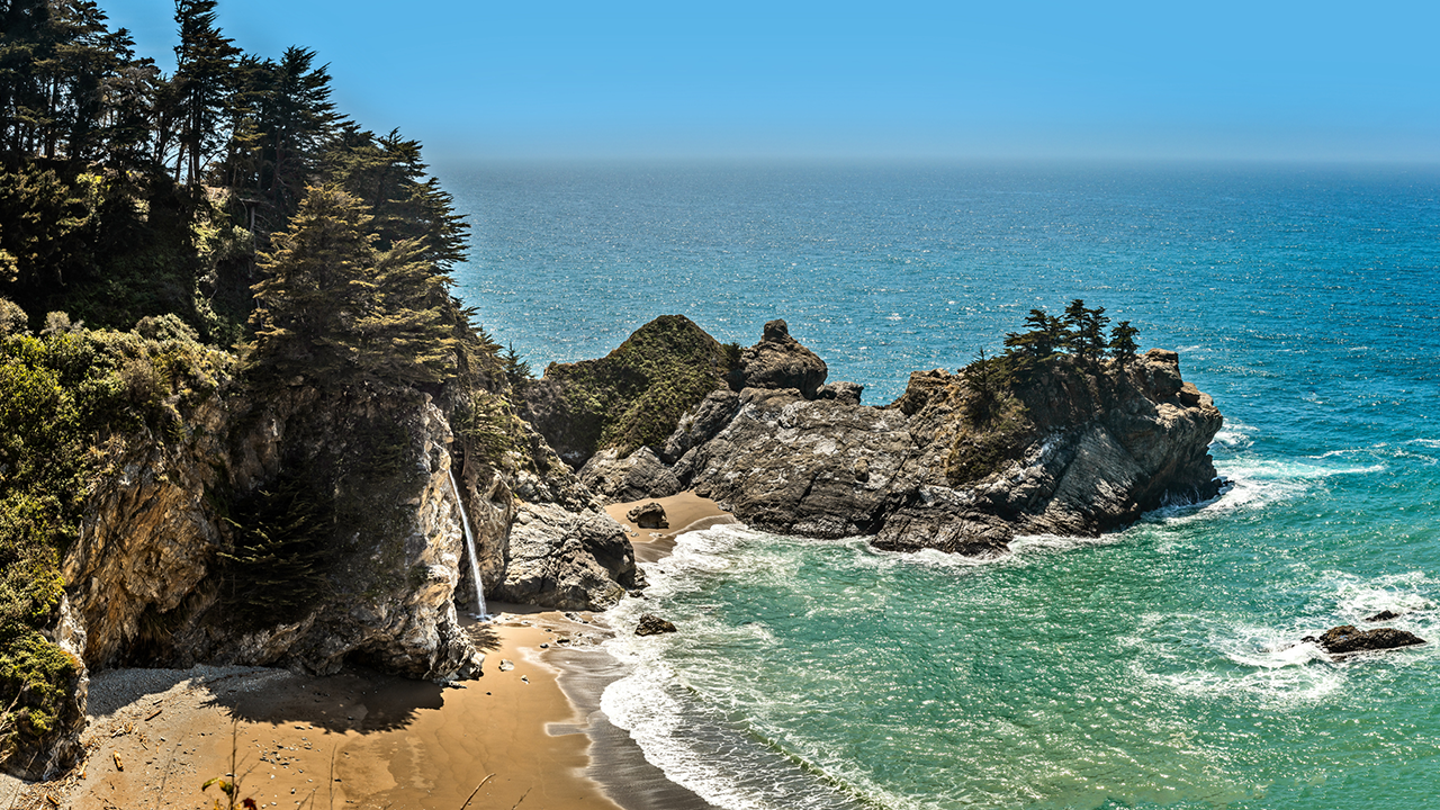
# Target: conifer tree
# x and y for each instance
(205, 63)
(1122, 344)
(334, 307)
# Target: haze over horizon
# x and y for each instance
(922, 80)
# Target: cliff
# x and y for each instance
(299, 523)
(305, 525)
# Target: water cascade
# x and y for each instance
(470, 545)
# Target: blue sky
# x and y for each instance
(1020, 79)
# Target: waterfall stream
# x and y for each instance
(470, 545)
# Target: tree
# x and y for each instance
(334, 306)
(389, 175)
(1122, 344)
(1045, 336)
(1086, 335)
(205, 63)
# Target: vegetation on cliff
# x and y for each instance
(61, 393)
(1061, 371)
(632, 397)
(157, 233)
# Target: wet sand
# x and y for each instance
(686, 512)
(526, 734)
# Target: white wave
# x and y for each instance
(1435, 443)
(1409, 594)
(1260, 482)
(1269, 665)
(1050, 543)
(1269, 686)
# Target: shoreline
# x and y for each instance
(528, 730)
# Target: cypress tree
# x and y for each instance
(334, 306)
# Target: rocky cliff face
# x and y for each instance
(1073, 454)
(155, 576)
(308, 529)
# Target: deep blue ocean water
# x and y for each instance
(1148, 668)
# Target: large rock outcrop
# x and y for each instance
(162, 572)
(779, 361)
(1059, 446)
(1069, 451)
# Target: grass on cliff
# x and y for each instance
(61, 394)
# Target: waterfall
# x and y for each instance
(470, 544)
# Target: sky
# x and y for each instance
(1020, 79)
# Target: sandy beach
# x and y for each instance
(527, 733)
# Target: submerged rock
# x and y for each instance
(651, 625)
(1348, 639)
(1383, 616)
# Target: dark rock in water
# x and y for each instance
(779, 361)
(651, 625)
(1348, 639)
(649, 516)
(1383, 616)
(617, 480)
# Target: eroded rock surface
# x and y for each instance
(779, 361)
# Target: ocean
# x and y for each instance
(1154, 667)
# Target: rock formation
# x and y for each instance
(648, 516)
(630, 398)
(652, 625)
(1068, 447)
(779, 361)
(1349, 639)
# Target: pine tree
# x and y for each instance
(335, 307)
(1122, 344)
(205, 63)
(389, 175)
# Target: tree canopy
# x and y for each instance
(335, 309)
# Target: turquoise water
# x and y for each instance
(1148, 668)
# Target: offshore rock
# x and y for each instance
(779, 361)
(652, 625)
(1070, 450)
(1349, 639)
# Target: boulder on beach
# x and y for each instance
(1348, 639)
(649, 516)
(651, 625)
